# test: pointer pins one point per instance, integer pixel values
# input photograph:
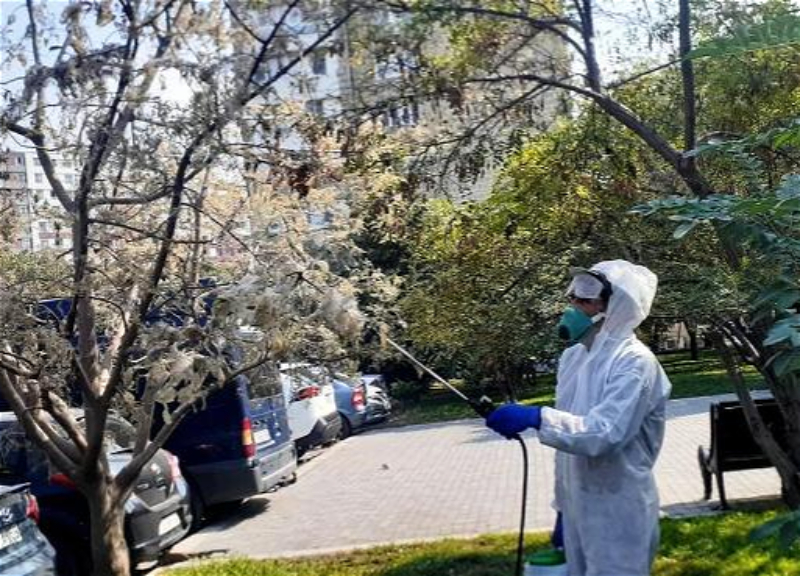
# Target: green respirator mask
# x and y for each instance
(573, 325)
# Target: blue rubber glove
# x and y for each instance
(511, 419)
(557, 537)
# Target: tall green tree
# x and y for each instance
(691, 117)
(487, 279)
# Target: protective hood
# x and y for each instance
(634, 290)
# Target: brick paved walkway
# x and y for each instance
(452, 479)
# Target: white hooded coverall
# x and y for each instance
(608, 426)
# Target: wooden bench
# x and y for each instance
(733, 446)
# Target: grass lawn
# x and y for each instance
(707, 546)
(703, 377)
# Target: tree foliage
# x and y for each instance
(567, 193)
(758, 214)
(170, 113)
(487, 279)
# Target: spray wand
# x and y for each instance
(484, 407)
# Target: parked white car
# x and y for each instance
(312, 414)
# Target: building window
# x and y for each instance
(319, 63)
(319, 220)
(315, 107)
(395, 65)
(38, 178)
(407, 115)
(306, 85)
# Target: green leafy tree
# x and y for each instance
(757, 212)
(487, 279)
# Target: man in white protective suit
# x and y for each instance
(608, 423)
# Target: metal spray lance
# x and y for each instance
(483, 406)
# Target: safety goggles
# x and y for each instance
(576, 300)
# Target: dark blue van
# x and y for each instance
(231, 446)
(234, 446)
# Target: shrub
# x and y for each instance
(409, 390)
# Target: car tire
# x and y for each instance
(347, 429)
(197, 507)
(299, 450)
(223, 509)
(73, 558)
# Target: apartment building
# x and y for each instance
(39, 222)
(364, 72)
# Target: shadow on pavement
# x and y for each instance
(712, 507)
(170, 558)
(483, 434)
(224, 518)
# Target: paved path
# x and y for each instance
(451, 479)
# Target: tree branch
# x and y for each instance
(639, 75)
(127, 476)
(146, 234)
(589, 53)
(37, 139)
(687, 73)
(152, 197)
(613, 108)
(56, 407)
(32, 426)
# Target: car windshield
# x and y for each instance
(304, 376)
(342, 377)
(20, 457)
(120, 433)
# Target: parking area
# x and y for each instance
(451, 479)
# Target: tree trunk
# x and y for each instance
(786, 466)
(110, 555)
(655, 340)
(694, 348)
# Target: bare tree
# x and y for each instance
(149, 98)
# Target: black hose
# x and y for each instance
(521, 542)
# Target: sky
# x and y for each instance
(620, 28)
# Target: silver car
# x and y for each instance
(24, 551)
(379, 404)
